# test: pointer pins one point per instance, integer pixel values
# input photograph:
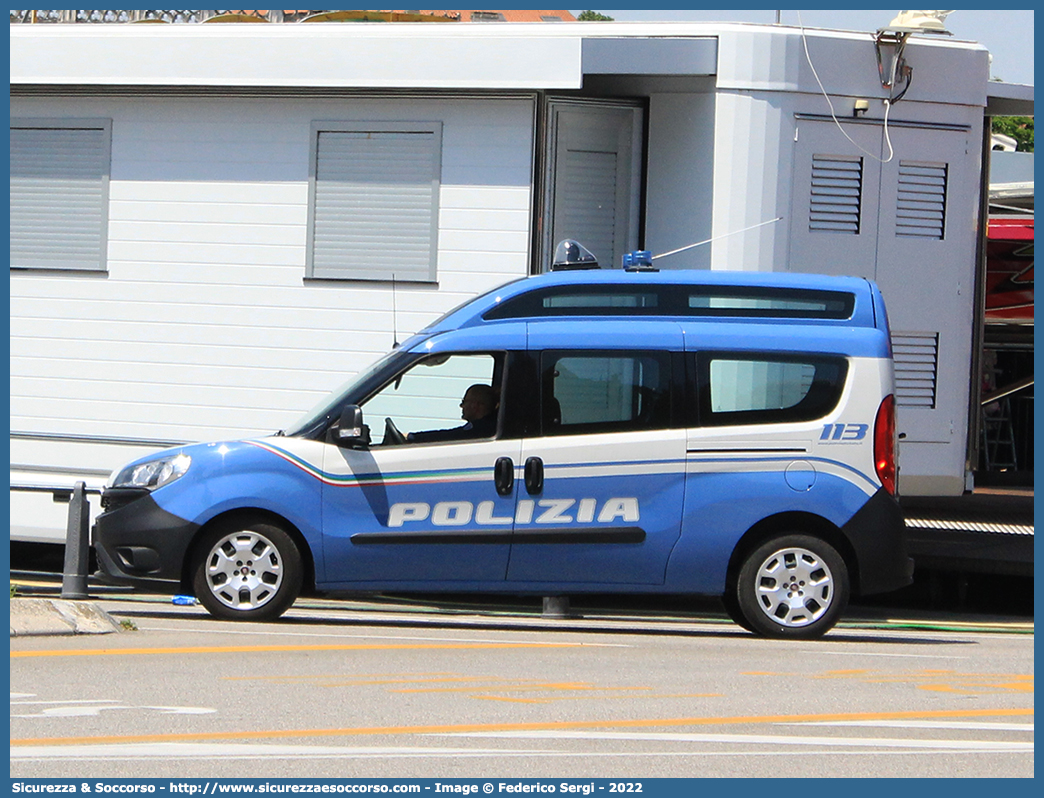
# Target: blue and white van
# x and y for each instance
(674, 432)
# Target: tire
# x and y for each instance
(792, 586)
(731, 601)
(247, 571)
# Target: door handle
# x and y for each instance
(534, 473)
(504, 476)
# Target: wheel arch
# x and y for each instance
(247, 515)
(796, 522)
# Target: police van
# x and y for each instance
(582, 431)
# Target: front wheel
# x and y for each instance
(247, 571)
(792, 586)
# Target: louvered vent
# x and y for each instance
(921, 204)
(837, 191)
(916, 368)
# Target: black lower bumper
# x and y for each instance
(878, 535)
(142, 544)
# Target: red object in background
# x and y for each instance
(1009, 271)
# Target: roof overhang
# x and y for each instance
(518, 56)
(1008, 99)
(319, 55)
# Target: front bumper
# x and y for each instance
(878, 534)
(139, 543)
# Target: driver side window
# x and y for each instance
(427, 400)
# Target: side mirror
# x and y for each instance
(350, 430)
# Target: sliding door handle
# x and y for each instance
(504, 476)
(534, 473)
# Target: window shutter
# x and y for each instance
(921, 200)
(837, 193)
(588, 201)
(59, 194)
(375, 202)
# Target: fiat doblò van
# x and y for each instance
(674, 432)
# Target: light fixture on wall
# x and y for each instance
(892, 66)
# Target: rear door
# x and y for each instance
(603, 480)
(593, 177)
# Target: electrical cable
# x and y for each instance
(888, 102)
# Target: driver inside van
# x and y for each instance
(478, 408)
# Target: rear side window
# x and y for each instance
(746, 388)
(598, 392)
(764, 302)
(589, 302)
(601, 300)
(770, 303)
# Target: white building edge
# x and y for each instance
(202, 277)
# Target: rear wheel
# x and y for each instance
(792, 586)
(247, 571)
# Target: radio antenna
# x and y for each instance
(395, 327)
(715, 238)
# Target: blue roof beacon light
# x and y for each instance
(571, 255)
(639, 261)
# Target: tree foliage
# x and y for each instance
(593, 16)
(1019, 128)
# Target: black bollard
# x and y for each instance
(77, 545)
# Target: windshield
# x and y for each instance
(318, 417)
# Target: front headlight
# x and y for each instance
(153, 474)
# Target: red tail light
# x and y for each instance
(884, 443)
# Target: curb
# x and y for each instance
(44, 616)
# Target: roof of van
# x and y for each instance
(493, 306)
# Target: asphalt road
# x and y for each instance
(354, 690)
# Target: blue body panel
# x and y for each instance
(720, 508)
(695, 522)
(236, 475)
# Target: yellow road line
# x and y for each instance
(112, 652)
(276, 734)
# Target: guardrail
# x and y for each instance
(77, 533)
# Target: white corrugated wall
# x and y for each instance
(204, 326)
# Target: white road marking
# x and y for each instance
(225, 752)
(757, 739)
(80, 709)
(922, 724)
(70, 701)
